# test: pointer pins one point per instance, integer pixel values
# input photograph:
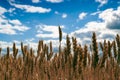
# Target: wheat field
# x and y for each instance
(73, 62)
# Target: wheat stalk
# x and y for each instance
(60, 38)
(95, 51)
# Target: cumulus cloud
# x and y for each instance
(84, 34)
(111, 18)
(11, 29)
(51, 31)
(35, 1)
(31, 9)
(8, 26)
(82, 15)
(107, 28)
(55, 1)
(2, 10)
(64, 15)
(102, 2)
(16, 22)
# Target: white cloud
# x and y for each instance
(7, 30)
(35, 1)
(21, 28)
(54, 42)
(107, 28)
(29, 40)
(11, 10)
(102, 2)
(8, 26)
(95, 13)
(56, 12)
(82, 15)
(55, 1)
(11, 29)
(16, 22)
(64, 15)
(2, 11)
(31, 9)
(99, 27)
(52, 31)
(5, 44)
(111, 18)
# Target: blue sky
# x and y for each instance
(32, 20)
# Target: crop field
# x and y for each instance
(98, 61)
